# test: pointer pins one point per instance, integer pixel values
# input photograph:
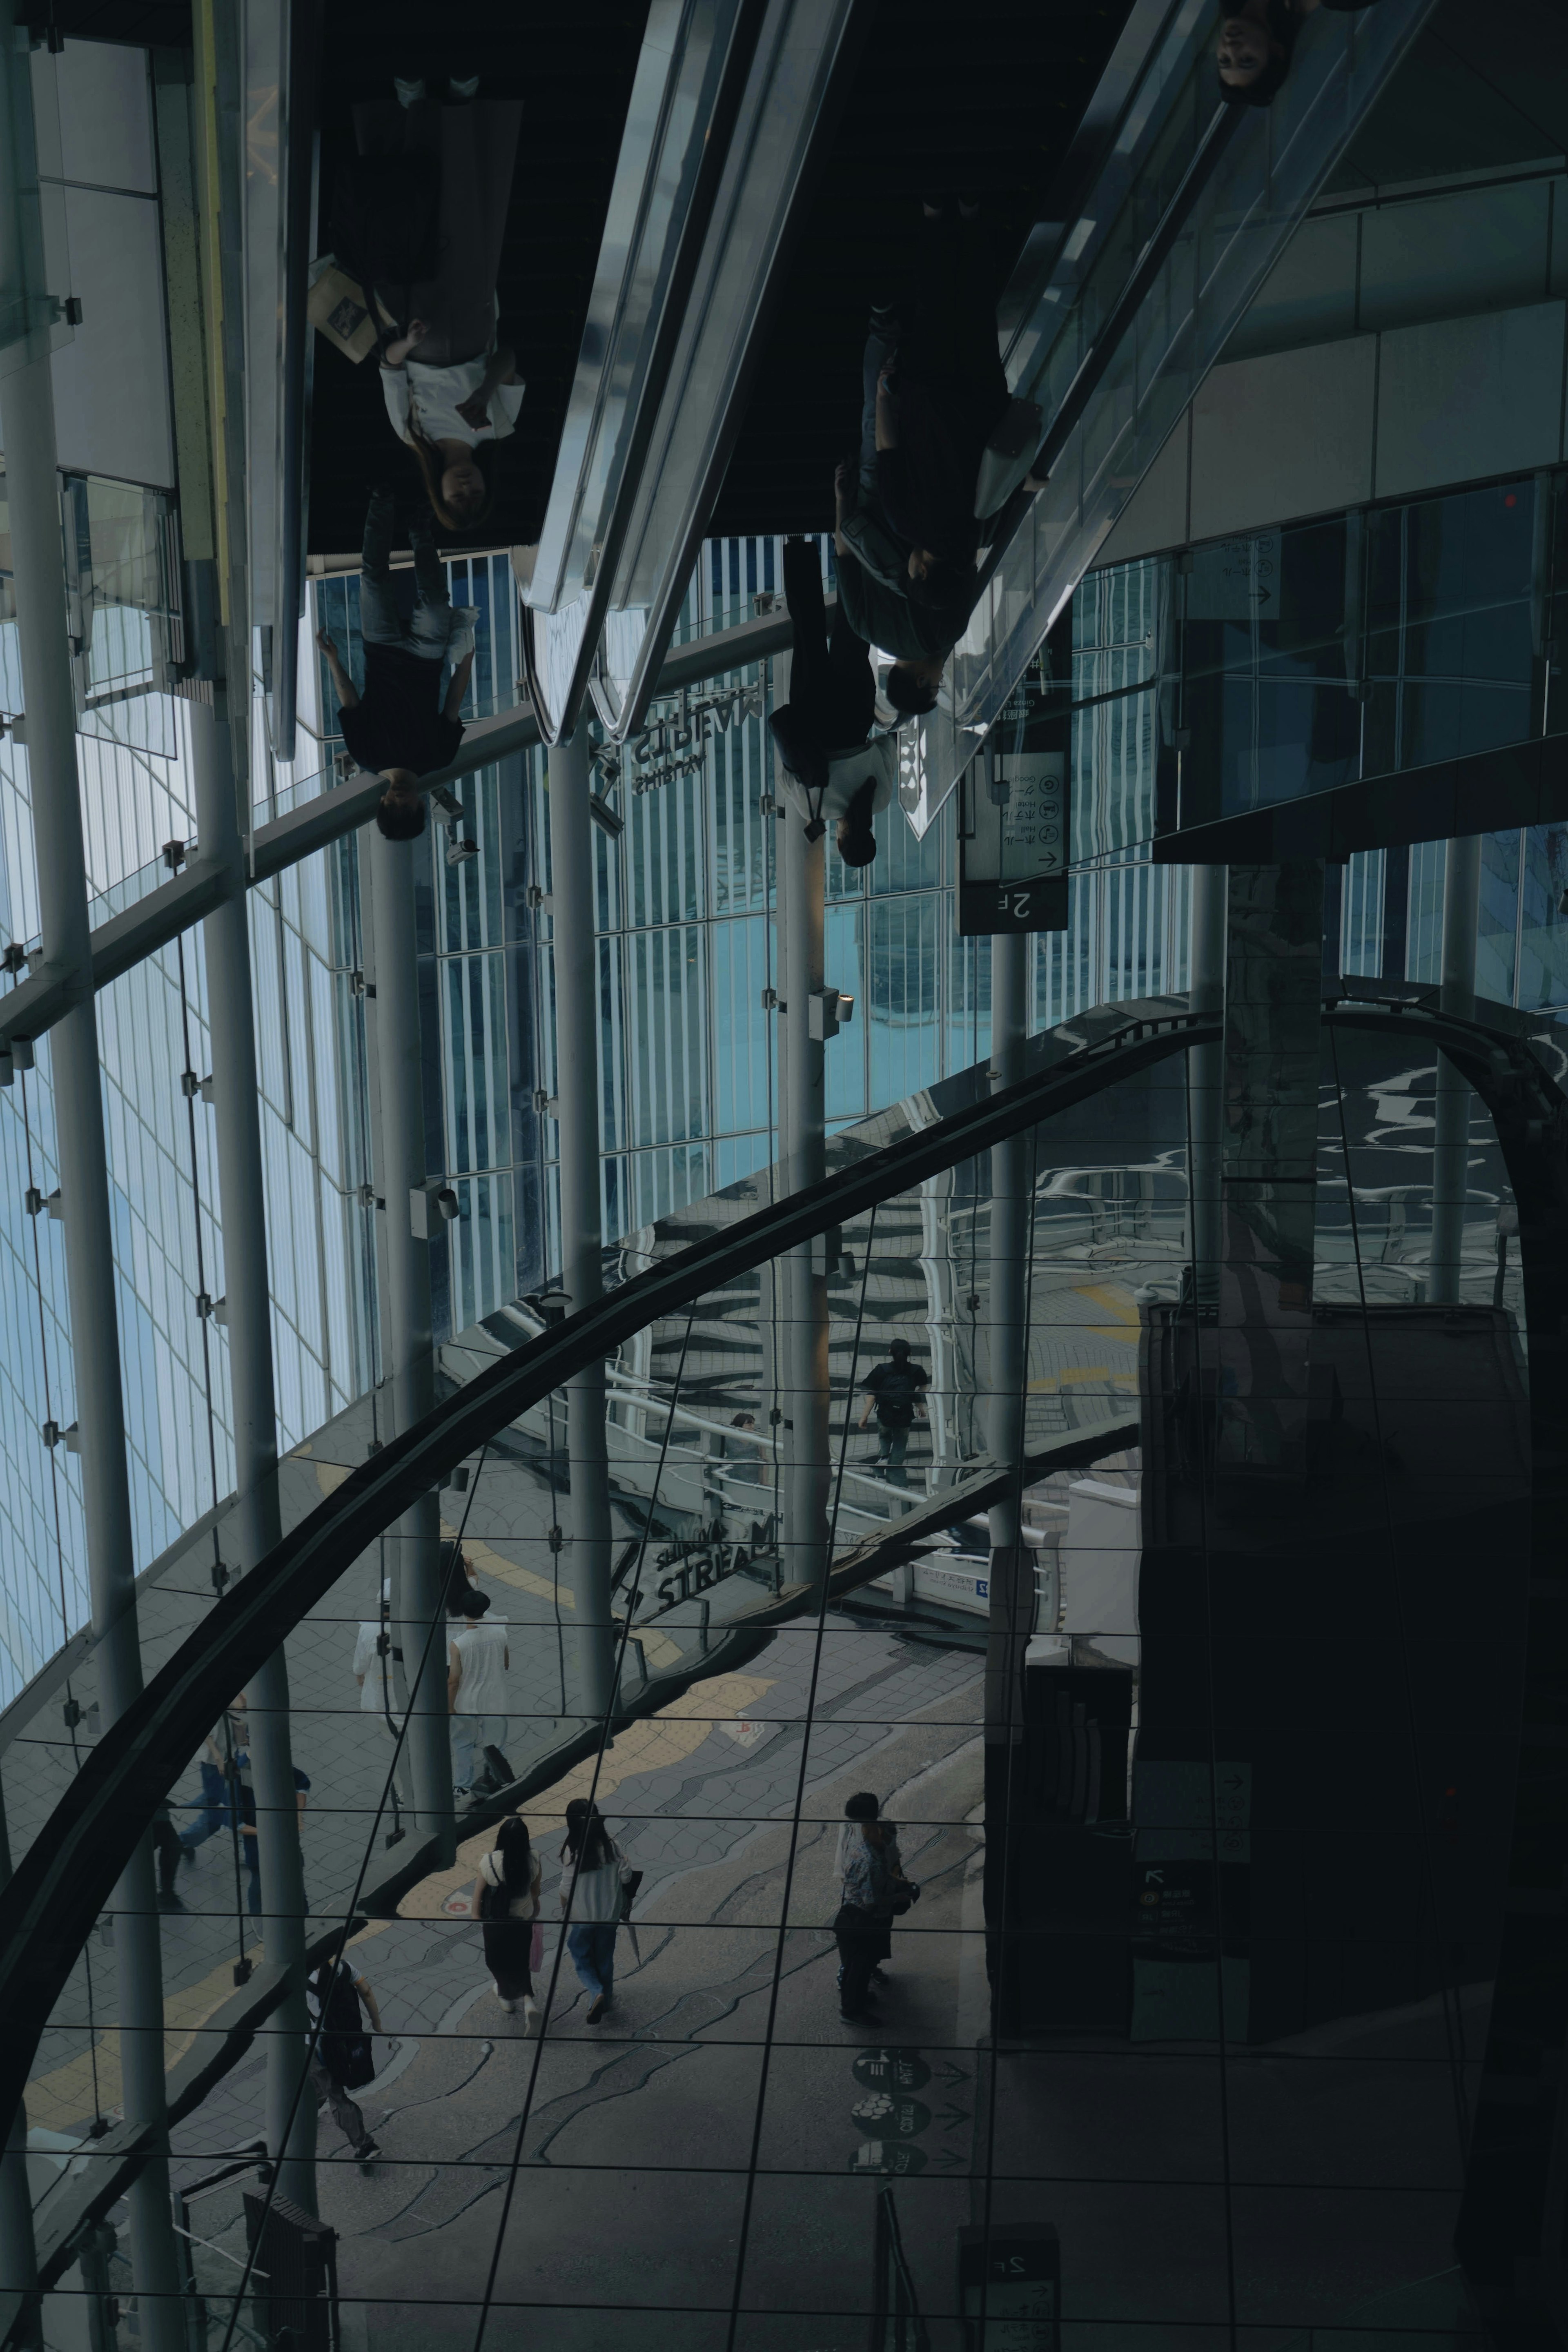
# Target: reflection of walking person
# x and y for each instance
(476, 1664)
(591, 1899)
(399, 725)
(873, 1891)
(247, 1825)
(451, 390)
(506, 1898)
(893, 1394)
(344, 2059)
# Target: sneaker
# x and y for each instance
(366, 2149)
(597, 2006)
(510, 2007)
(409, 93)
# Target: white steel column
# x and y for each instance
(27, 422)
(806, 1451)
(576, 960)
(1010, 1620)
(1451, 1141)
(420, 1597)
(1205, 993)
(226, 944)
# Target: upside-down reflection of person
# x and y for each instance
(452, 391)
(1256, 42)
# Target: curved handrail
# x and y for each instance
(61, 1884)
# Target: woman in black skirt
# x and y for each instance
(506, 1898)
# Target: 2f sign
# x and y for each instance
(1014, 905)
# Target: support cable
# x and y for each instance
(754, 2152)
(71, 1713)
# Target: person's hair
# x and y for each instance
(860, 847)
(864, 1807)
(745, 1421)
(1265, 88)
(401, 820)
(910, 696)
(433, 465)
(473, 1604)
(898, 1346)
(512, 1845)
(585, 1835)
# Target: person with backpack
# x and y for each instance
(873, 1892)
(893, 1393)
(400, 725)
(344, 2059)
(506, 1900)
(840, 777)
(591, 1898)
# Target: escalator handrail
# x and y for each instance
(62, 1883)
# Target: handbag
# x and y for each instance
(905, 1895)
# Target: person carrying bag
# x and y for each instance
(506, 1902)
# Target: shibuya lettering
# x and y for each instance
(697, 1563)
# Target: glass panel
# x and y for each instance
(1110, 1998)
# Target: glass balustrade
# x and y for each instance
(749, 1710)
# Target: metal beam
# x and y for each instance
(48, 994)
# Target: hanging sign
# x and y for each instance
(1012, 844)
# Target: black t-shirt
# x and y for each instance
(896, 1387)
(398, 722)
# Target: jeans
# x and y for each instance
(469, 1732)
(346, 2114)
(380, 622)
(859, 1936)
(893, 1444)
(593, 1950)
(213, 1812)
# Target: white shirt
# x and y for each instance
(847, 772)
(481, 1650)
(429, 397)
(596, 1896)
(372, 1667)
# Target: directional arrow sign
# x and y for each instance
(950, 2117)
(944, 2160)
(951, 2073)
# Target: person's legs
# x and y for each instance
(807, 609)
(212, 1811)
(169, 1851)
(605, 1955)
(463, 1729)
(897, 1447)
(253, 1864)
(584, 1946)
(854, 1982)
(345, 2114)
(379, 622)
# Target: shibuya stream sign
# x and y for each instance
(694, 1564)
